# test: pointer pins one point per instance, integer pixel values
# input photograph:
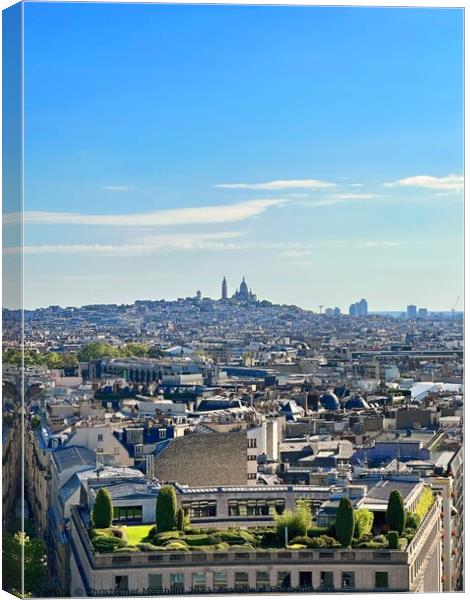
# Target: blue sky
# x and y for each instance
(317, 151)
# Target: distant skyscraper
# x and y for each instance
(362, 308)
(422, 313)
(411, 312)
(224, 289)
(353, 310)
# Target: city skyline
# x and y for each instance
(324, 163)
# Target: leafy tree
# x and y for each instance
(103, 509)
(34, 563)
(395, 516)
(166, 508)
(53, 360)
(297, 522)
(344, 523)
(95, 350)
(134, 349)
(35, 421)
(363, 521)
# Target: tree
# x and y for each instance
(297, 522)
(95, 350)
(180, 519)
(166, 508)
(344, 523)
(363, 521)
(34, 563)
(396, 516)
(134, 349)
(103, 509)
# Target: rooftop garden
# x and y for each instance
(172, 531)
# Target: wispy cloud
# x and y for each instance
(118, 188)
(378, 244)
(449, 183)
(295, 253)
(337, 198)
(227, 213)
(280, 184)
(148, 245)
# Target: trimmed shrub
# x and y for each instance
(372, 545)
(380, 538)
(107, 543)
(363, 521)
(301, 539)
(119, 533)
(344, 522)
(146, 547)
(201, 540)
(424, 504)
(102, 514)
(317, 542)
(176, 545)
(395, 516)
(393, 540)
(297, 522)
(166, 508)
(165, 536)
(314, 532)
(412, 520)
(331, 542)
(180, 519)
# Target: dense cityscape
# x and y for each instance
(203, 445)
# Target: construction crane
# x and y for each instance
(455, 305)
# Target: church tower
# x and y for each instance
(224, 289)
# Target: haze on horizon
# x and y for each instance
(316, 151)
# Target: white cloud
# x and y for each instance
(353, 196)
(337, 198)
(227, 213)
(295, 253)
(280, 184)
(147, 245)
(118, 188)
(382, 243)
(449, 183)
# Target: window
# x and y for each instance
(283, 579)
(127, 513)
(116, 450)
(139, 449)
(162, 434)
(381, 579)
(121, 583)
(262, 580)
(252, 443)
(305, 579)
(100, 437)
(252, 457)
(199, 581)
(99, 450)
(241, 580)
(220, 580)
(200, 508)
(347, 580)
(155, 583)
(326, 580)
(251, 475)
(177, 582)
